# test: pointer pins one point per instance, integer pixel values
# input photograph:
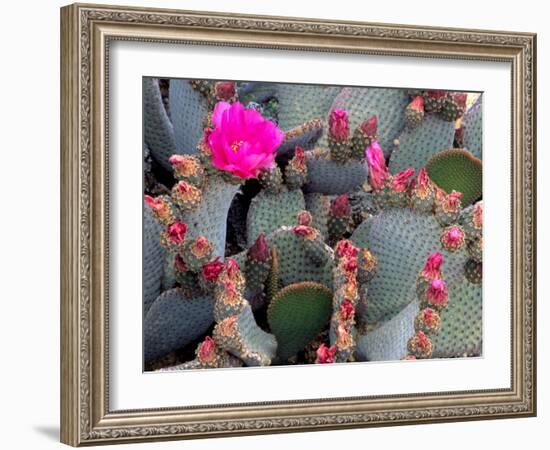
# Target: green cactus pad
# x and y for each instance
(295, 264)
(210, 217)
(188, 108)
(388, 105)
(268, 212)
(473, 130)
(461, 324)
(153, 259)
(401, 240)
(173, 321)
(329, 177)
(319, 207)
(299, 103)
(418, 145)
(457, 170)
(158, 132)
(297, 314)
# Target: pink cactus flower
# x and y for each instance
(432, 269)
(347, 310)
(338, 123)
(378, 172)
(260, 250)
(437, 293)
(207, 350)
(345, 248)
(212, 270)
(243, 142)
(400, 182)
(340, 207)
(176, 232)
(370, 127)
(326, 355)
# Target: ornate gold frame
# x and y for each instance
(86, 31)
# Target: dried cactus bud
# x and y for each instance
(206, 352)
(414, 112)
(296, 170)
(232, 272)
(432, 268)
(453, 238)
(225, 91)
(161, 209)
(363, 136)
(186, 196)
(344, 339)
(173, 237)
(367, 264)
(326, 355)
(308, 233)
(422, 192)
(447, 206)
(339, 218)
(428, 321)
(305, 218)
(197, 252)
(420, 346)
(346, 311)
(187, 168)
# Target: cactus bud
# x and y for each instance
(420, 345)
(308, 233)
(346, 249)
(378, 172)
(452, 238)
(414, 112)
(304, 218)
(437, 295)
(161, 209)
(179, 264)
(428, 321)
(174, 236)
(186, 196)
(347, 310)
(326, 355)
(363, 136)
(206, 352)
(370, 127)
(340, 206)
(338, 123)
(260, 250)
(187, 168)
(344, 339)
(296, 170)
(212, 269)
(225, 91)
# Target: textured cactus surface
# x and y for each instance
(300, 224)
(297, 314)
(173, 320)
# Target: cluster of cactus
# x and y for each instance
(348, 248)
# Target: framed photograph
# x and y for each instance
(277, 224)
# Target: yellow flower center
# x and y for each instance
(236, 145)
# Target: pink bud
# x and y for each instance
(225, 90)
(422, 341)
(432, 269)
(207, 350)
(418, 103)
(437, 294)
(451, 202)
(370, 127)
(347, 310)
(176, 160)
(299, 155)
(308, 233)
(260, 250)
(345, 248)
(176, 232)
(304, 218)
(340, 207)
(400, 182)
(338, 125)
(378, 172)
(232, 268)
(350, 265)
(325, 355)
(212, 269)
(453, 237)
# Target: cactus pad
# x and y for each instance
(458, 170)
(473, 130)
(297, 314)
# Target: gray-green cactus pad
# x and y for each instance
(418, 145)
(188, 108)
(268, 212)
(401, 239)
(158, 132)
(329, 177)
(473, 129)
(299, 103)
(173, 321)
(153, 259)
(319, 207)
(389, 341)
(294, 263)
(388, 105)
